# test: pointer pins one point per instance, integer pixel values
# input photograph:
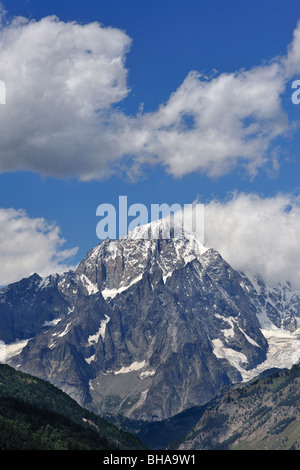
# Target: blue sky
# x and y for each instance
(160, 56)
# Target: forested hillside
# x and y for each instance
(36, 415)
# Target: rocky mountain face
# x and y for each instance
(147, 328)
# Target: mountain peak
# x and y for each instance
(148, 327)
(114, 265)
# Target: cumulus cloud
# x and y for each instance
(62, 80)
(257, 234)
(29, 245)
(211, 125)
(64, 83)
(291, 62)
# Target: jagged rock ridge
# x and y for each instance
(144, 328)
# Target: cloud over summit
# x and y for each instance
(257, 234)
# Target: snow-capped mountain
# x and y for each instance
(115, 265)
(148, 328)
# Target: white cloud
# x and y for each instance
(65, 79)
(257, 234)
(62, 80)
(29, 245)
(291, 61)
(211, 125)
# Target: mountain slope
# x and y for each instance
(263, 414)
(148, 328)
(36, 415)
(156, 348)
